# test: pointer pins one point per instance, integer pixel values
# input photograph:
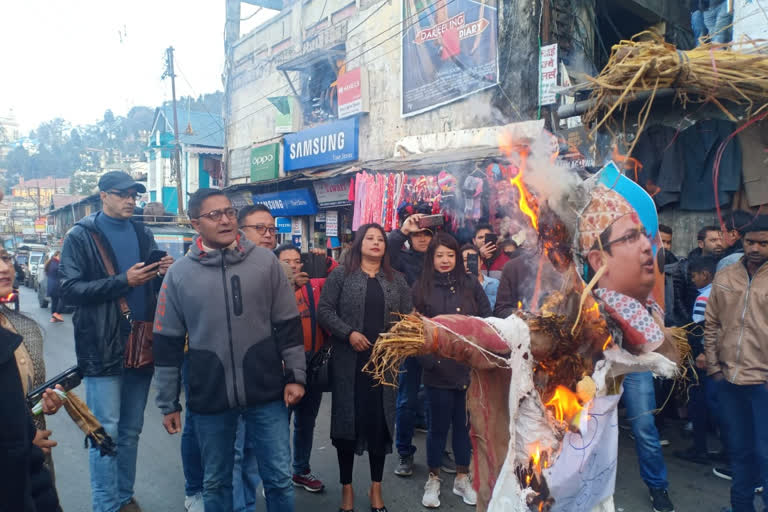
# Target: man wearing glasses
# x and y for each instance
(258, 224)
(246, 352)
(116, 395)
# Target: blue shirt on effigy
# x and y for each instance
(122, 237)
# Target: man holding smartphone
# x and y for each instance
(101, 291)
(493, 259)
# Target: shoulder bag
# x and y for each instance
(318, 362)
(138, 348)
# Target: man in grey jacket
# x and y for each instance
(246, 352)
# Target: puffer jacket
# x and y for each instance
(735, 340)
(444, 299)
(407, 261)
(85, 284)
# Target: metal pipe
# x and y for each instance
(579, 107)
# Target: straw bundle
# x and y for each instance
(707, 73)
(405, 339)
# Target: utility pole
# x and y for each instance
(176, 164)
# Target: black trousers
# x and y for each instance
(345, 451)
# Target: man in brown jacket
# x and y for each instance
(736, 346)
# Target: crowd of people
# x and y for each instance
(237, 321)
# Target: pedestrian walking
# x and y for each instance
(734, 344)
(445, 288)
(359, 301)
(307, 293)
(51, 270)
(245, 352)
(103, 275)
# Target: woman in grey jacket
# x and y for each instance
(359, 301)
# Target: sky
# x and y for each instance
(75, 59)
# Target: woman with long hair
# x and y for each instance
(445, 288)
(52, 283)
(360, 300)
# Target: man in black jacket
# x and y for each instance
(116, 395)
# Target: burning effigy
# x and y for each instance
(546, 380)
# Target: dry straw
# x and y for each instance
(732, 72)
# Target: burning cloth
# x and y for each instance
(546, 383)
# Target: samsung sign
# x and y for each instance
(326, 144)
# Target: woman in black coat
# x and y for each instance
(52, 283)
(360, 300)
(445, 288)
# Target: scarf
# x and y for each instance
(637, 315)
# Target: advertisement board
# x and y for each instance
(288, 203)
(332, 192)
(449, 51)
(265, 162)
(353, 92)
(547, 74)
(324, 144)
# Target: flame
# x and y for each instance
(536, 456)
(608, 342)
(519, 304)
(565, 403)
(627, 162)
(517, 181)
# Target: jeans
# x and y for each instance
(118, 402)
(305, 414)
(704, 411)
(407, 405)
(745, 411)
(245, 475)
(716, 18)
(266, 436)
(191, 460)
(640, 400)
(447, 408)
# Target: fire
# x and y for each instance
(608, 342)
(517, 181)
(565, 403)
(536, 456)
(519, 305)
(627, 162)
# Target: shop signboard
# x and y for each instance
(449, 51)
(240, 199)
(332, 223)
(332, 193)
(283, 225)
(353, 93)
(296, 226)
(288, 203)
(547, 74)
(239, 162)
(40, 225)
(265, 162)
(330, 143)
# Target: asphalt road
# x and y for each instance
(160, 483)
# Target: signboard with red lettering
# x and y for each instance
(450, 51)
(332, 192)
(353, 92)
(548, 74)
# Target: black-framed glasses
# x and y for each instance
(261, 228)
(631, 237)
(125, 194)
(215, 215)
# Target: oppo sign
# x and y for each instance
(265, 162)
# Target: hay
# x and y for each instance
(405, 339)
(735, 72)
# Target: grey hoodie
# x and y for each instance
(245, 338)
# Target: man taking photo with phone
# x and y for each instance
(103, 275)
(493, 260)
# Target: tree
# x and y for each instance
(83, 183)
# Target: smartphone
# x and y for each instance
(473, 263)
(429, 221)
(154, 257)
(321, 241)
(491, 238)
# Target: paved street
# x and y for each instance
(160, 485)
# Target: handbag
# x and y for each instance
(138, 348)
(318, 363)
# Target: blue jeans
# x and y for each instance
(745, 411)
(118, 402)
(409, 381)
(266, 435)
(245, 475)
(640, 400)
(447, 408)
(191, 460)
(697, 24)
(704, 411)
(305, 414)
(716, 18)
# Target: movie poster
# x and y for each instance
(449, 51)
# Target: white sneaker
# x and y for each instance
(462, 486)
(194, 503)
(431, 497)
